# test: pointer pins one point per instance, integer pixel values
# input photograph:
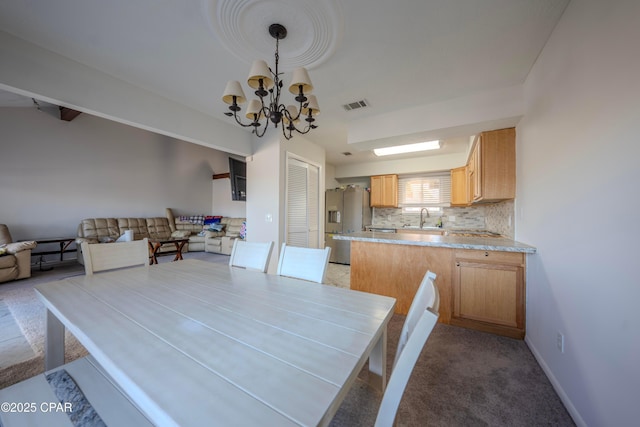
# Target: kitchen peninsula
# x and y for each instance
(481, 280)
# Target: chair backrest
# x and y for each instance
(251, 255)
(304, 263)
(109, 256)
(426, 296)
(419, 323)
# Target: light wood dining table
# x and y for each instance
(196, 343)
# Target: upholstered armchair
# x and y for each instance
(15, 257)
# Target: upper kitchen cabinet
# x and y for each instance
(492, 166)
(460, 187)
(384, 191)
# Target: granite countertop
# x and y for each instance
(455, 242)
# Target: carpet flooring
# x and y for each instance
(463, 377)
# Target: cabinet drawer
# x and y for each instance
(512, 258)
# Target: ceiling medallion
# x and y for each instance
(315, 28)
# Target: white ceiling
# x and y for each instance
(395, 54)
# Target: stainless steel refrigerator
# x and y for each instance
(347, 211)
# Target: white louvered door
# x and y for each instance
(303, 217)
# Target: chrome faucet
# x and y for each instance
(422, 221)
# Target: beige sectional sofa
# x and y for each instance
(221, 242)
(103, 230)
(202, 238)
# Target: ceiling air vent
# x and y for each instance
(355, 105)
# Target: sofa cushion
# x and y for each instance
(171, 218)
(180, 234)
(210, 233)
(8, 261)
(137, 225)
(186, 225)
(196, 239)
(233, 226)
(158, 228)
(99, 227)
(9, 273)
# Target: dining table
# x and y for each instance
(195, 343)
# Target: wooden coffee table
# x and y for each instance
(155, 245)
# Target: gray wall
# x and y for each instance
(577, 156)
(55, 173)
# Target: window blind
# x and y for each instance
(426, 191)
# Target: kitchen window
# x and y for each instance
(424, 191)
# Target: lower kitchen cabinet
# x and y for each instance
(488, 290)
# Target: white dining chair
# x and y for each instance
(109, 256)
(251, 255)
(418, 325)
(304, 263)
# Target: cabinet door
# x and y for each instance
(476, 178)
(489, 293)
(494, 166)
(376, 191)
(489, 296)
(390, 191)
(459, 187)
(384, 191)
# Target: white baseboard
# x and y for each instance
(556, 385)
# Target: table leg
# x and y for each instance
(179, 247)
(54, 342)
(378, 363)
(64, 248)
(154, 247)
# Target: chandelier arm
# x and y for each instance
(235, 116)
(264, 130)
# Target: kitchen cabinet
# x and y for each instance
(384, 191)
(488, 291)
(460, 186)
(492, 166)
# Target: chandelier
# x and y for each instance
(266, 82)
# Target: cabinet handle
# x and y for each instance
(457, 264)
(486, 254)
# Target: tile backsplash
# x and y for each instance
(500, 218)
(495, 217)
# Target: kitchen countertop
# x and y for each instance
(455, 242)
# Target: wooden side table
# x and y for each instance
(155, 245)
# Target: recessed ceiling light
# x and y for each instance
(408, 148)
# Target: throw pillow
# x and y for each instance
(212, 219)
(243, 230)
(216, 227)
